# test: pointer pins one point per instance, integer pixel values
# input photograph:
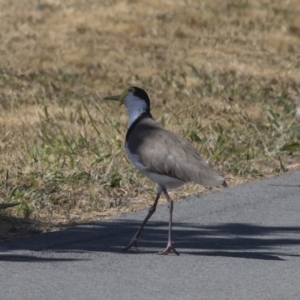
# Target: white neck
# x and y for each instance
(135, 107)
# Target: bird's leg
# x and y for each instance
(170, 246)
(151, 211)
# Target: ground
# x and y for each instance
(223, 74)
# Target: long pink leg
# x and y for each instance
(151, 211)
(170, 246)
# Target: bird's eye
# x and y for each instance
(131, 90)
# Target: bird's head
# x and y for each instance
(134, 98)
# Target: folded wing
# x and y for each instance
(164, 152)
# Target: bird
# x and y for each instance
(164, 157)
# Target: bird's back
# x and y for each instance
(164, 152)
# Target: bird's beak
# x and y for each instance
(116, 98)
(119, 98)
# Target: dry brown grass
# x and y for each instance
(62, 145)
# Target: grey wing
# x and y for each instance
(166, 153)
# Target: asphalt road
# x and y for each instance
(236, 243)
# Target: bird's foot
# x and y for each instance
(133, 243)
(168, 249)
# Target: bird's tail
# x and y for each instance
(224, 184)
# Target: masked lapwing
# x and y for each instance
(164, 157)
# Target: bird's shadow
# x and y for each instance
(236, 240)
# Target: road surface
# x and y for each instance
(236, 243)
